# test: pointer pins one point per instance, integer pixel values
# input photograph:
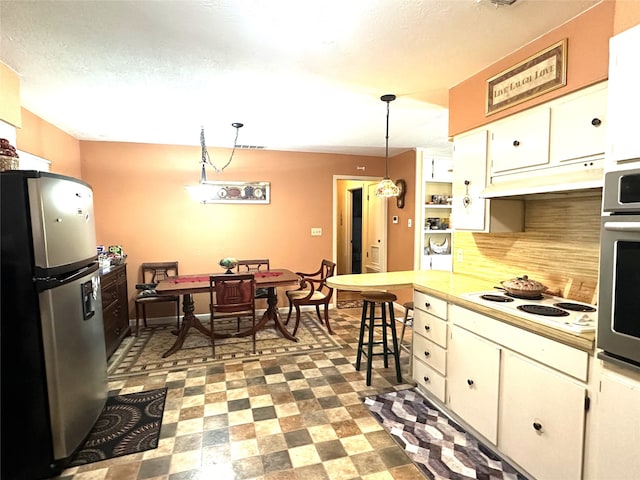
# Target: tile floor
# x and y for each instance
(271, 418)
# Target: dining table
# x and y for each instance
(189, 285)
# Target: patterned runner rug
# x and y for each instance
(128, 424)
(436, 444)
(143, 354)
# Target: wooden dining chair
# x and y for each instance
(313, 290)
(259, 265)
(152, 274)
(232, 296)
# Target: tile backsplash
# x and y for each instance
(559, 247)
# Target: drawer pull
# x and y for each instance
(596, 122)
(426, 379)
(427, 304)
(426, 354)
(516, 143)
(427, 328)
(537, 426)
(469, 382)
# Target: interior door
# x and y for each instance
(355, 231)
(376, 232)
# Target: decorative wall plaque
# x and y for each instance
(538, 74)
(238, 192)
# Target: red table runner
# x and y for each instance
(205, 278)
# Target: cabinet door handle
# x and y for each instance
(469, 382)
(426, 379)
(537, 426)
(426, 354)
(516, 143)
(596, 122)
(427, 304)
(427, 328)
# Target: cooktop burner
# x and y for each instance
(547, 310)
(496, 298)
(575, 307)
(543, 310)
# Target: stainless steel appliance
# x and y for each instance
(53, 361)
(557, 312)
(619, 297)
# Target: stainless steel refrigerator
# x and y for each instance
(53, 362)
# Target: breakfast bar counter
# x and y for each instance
(452, 287)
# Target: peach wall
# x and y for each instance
(141, 204)
(9, 96)
(40, 138)
(627, 15)
(587, 63)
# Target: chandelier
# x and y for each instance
(386, 187)
(203, 191)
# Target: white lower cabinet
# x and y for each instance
(523, 393)
(615, 443)
(473, 378)
(541, 419)
(429, 344)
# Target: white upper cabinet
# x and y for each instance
(556, 146)
(623, 102)
(520, 142)
(470, 212)
(469, 180)
(578, 126)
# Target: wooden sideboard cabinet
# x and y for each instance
(115, 307)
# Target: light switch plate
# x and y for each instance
(316, 232)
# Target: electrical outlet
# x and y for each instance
(316, 232)
(460, 255)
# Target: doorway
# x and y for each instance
(356, 230)
(359, 220)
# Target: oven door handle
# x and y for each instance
(622, 226)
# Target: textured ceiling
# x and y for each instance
(302, 75)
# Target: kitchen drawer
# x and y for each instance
(429, 379)
(549, 352)
(115, 307)
(433, 355)
(430, 327)
(115, 322)
(427, 303)
(109, 291)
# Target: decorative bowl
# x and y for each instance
(229, 263)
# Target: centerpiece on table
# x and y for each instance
(229, 263)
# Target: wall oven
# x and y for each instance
(619, 298)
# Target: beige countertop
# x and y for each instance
(451, 286)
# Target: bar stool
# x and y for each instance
(408, 320)
(384, 300)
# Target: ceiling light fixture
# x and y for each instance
(386, 188)
(203, 191)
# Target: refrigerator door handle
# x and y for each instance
(47, 283)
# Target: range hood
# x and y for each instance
(578, 183)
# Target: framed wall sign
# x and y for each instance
(237, 192)
(538, 74)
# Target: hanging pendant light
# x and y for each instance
(204, 191)
(386, 187)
